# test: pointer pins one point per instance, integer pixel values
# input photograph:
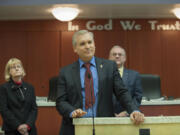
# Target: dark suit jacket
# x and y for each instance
(15, 109)
(69, 95)
(132, 82)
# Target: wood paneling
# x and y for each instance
(67, 55)
(46, 45)
(171, 65)
(42, 59)
(144, 51)
(39, 52)
(48, 121)
(106, 39)
(160, 110)
(12, 45)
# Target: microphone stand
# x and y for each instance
(89, 76)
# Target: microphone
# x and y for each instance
(89, 77)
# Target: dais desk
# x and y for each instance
(162, 107)
(49, 120)
(124, 126)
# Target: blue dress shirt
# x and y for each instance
(95, 85)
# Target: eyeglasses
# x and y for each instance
(119, 54)
(16, 66)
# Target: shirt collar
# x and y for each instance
(121, 69)
(92, 62)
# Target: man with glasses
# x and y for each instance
(130, 78)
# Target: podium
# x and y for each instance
(123, 126)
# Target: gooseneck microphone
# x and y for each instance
(89, 77)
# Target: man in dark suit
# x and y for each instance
(131, 80)
(72, 96)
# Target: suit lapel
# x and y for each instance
(76, 77)
(100, 67)
(26, 91)
(125, 77)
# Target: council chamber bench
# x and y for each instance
(123, 125)
(47, 113)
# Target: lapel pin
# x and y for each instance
(101, 66)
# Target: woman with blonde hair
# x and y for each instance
(17, 101)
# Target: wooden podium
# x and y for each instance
(123, 126)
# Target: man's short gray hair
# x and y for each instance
(78, 33)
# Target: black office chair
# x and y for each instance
(53, 88)
(151, 86)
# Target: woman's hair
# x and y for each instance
(9, 64)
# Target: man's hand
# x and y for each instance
(137, 117)
(121, 114)
(78, 113)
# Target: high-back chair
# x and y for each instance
(53, 88)
(151, 86)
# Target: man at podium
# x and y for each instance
(85, 88)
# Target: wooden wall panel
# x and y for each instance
(104, 40)
(32, 25)
(144, 51)
(42, 59)
(67, 55)
(160, 110)
(12, 44)
(46, 45)
(171, 68)
(48, 121)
